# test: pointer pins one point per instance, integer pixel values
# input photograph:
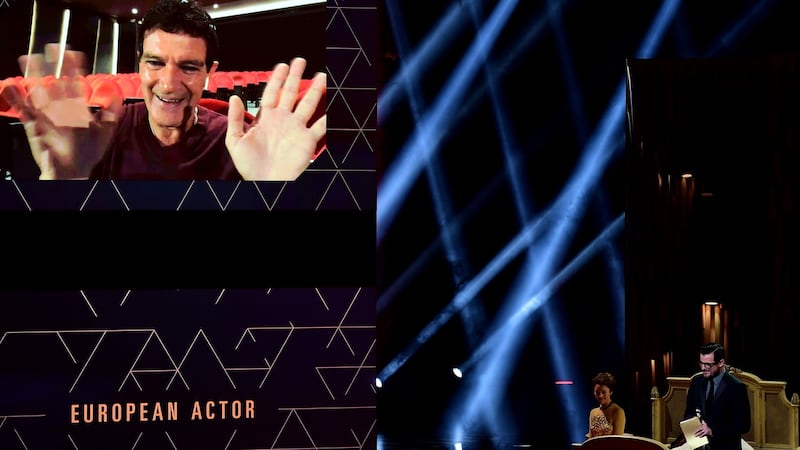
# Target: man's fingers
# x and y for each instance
(46, 166)
(310, 102)
(270, 97)
(73, 88)
(34, 66)
(61, 108)
(111, 112)
(70, 62)
(288, 95)
(39, 96)
(320, 127)
(74, 64)
(57, 89)
(52, 52)
(235, 121)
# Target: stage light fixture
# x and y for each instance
(378, 383)
(457, 372)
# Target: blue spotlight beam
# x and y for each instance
(570, 205)
(567, 68)
(415, 64)
(433, 168)
(408, 274)
(517, 244)
(492, 378)
(511, 250)
(579, 114)
(502, 121)
(483, 196)
(545, 293)
(547, 129)
(493, 419)
(758, 11)
(450, 235)
(599, 151)
(655, 34)
(510, 57)
(429, 131)
(564, 362)
(572, 200)
(484, 395)
(451, 240)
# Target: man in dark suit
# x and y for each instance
(720, 400)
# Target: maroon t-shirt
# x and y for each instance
(136, 154)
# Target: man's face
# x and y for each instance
(173, 73)
(709, 367)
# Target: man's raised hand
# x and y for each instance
(280, 144)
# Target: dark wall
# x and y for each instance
(128, 60)
(255, 42)
(260, 41)
(15, 20)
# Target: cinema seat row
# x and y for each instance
(101, 89)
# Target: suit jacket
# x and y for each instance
(729, 416)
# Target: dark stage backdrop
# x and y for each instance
(541, 90)
(730, 232)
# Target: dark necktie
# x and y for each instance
(710, 396)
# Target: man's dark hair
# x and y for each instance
(716, 349)
(181, 16)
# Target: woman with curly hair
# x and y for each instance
(608, 417)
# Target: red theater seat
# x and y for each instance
(86, 87)
(238, 78)
(211, 86)
(6, 110)
(223, 80)
(263, 76)
(128, 86)
(105, 93)
(224, 85)
(221, 107)
(250, 78)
